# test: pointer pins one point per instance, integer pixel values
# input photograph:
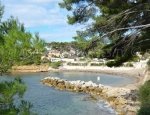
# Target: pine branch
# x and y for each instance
(127, 28)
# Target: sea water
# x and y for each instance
(48, 101)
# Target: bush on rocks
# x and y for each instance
(144, 96)
(55, 65)
(144, 110)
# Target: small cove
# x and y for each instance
(48, 101)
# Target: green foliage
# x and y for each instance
(144, 93)
(115, 21)
(84, 45)
(15, 46)
(135, 59)
(45, 60)
(115, 63)
(96, 53)
(67, 47)
(8, 92)
(31, 59)
(60, 46)
(80, 45)
(37, 59)
(111, 63)
(18, 47)
(82, 59)
(55, 65)
(144, 110)
(144, 97)
(38, 44)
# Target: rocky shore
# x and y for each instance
(123, 100)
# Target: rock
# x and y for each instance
(68, 85)
(98, 90)
(89, 83)
(78, 89)
(85, 89)
(61, 86)
(112, 99)
(54, 82)
(91, 88)
(61, 82)
(120, 98)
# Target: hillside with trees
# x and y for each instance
(80, 46)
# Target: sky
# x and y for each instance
(43, 16)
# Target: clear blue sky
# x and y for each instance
(43, 16)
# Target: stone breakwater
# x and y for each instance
(123, 100)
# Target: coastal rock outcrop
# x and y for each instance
(119, 98)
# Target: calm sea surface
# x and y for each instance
(48, 101)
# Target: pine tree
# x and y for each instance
(126, 23)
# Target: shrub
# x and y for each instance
(26, 62)
(113, 63)
(144, 110)
(33, 59)
(45, 60)
(144, 93)
(55, 65)
(117, 62)
(144, 97)
(37, 59)
(82, 59)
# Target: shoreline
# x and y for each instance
(120, 99)
(29, 69)
(123, 71)
(138, 73)
(118, 71)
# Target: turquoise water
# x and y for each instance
(48, 101)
